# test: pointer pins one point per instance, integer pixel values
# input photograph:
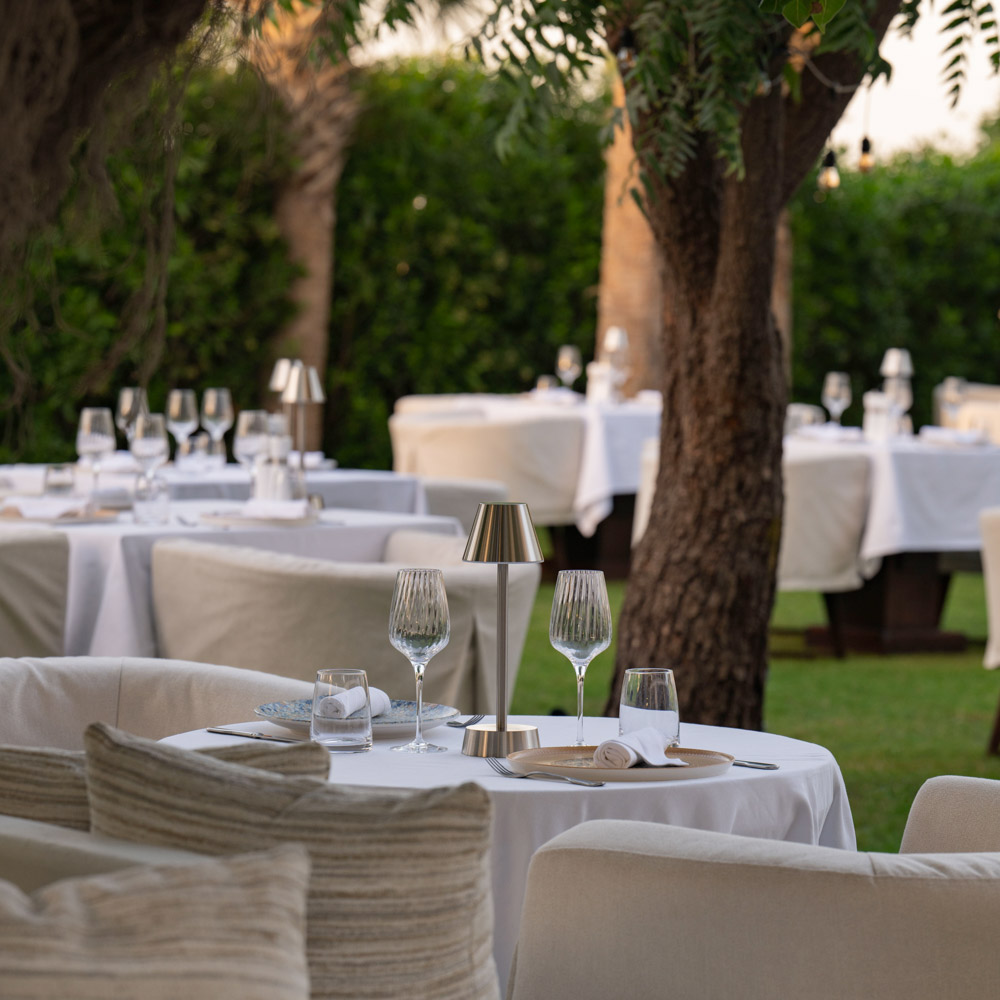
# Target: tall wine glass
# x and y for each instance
(182, 414)
(216, 413)
(131, 402)
(952, 392)
(569, 364)
(419, 627)
(95, 437)
(580, 626)
(250, 439)
(149, 446)
(836, 396)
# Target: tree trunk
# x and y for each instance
(702, 580)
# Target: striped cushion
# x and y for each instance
(399, 899)
(220, 929)
(50, 785)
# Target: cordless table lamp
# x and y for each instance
(502, 533)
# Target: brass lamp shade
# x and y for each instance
(279, 375)
(303, 385)
(502, 533)
(897, 362)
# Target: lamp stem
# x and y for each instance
(501, 647)
(301, 431)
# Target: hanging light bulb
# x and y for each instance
(829, 176)
(867, 160)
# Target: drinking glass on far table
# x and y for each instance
(216, 413)
(150, 447)
(341, 711)
(836, 396)
(419, 627)
(569, 364)
(250, 439)
(95, 438)
(182, 414)
(649, 698)
(131, 402)
(580, 625)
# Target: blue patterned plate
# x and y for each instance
(400, 717)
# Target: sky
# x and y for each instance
(913, 109)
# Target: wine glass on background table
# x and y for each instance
(150, 447)
(250, 439)
(580, 625)
(419, 627)
(217, 415)
(182, 414)
(95, 438)
(131, 402)
(836, 395)
(569, 364)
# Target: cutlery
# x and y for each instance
(759, 764)
(545, 775)
(257, 736)
(469, 722)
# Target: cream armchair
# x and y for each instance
(646, 911)
(33, 587)
(290, 615)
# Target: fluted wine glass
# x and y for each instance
(836, 395)
(131, 402)
(419, 627)
(216, 412)
(580, 625)
(95, 438)
(182, 414)
(569, 364)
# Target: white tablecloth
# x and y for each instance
(109, 609)
(805, 801)
(365, 489)
(612, 441)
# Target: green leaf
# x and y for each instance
(797, 12)
(821, 18)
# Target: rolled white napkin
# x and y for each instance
(348, 701)
(951, 435)
(829, 432)
(49, 508)
(278, 510)
(646, 745)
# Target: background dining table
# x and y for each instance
(804, 800)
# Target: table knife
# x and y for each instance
(257, 736)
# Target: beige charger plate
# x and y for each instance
(223, 519)
(578, 762)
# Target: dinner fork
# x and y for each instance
(468, 722)
(502, 769)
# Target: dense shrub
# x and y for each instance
(906, 256)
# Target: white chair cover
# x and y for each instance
(460, 498)
(34, 566)
(989, 528)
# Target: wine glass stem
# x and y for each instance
(418, 736)
(579, 710)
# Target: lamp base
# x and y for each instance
(485, 740)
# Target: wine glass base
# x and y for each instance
(413, 747)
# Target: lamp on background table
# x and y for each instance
(502, 533)
(302, 388)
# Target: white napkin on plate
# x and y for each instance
(277, 510)
(48, 508)
(646, 745)
(347, 702)
(950, 435)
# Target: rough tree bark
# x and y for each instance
(701, 587)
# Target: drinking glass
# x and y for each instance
(419, 627)
(59, 480)
(150, 446)
(182, 414)
(580, 625)
(649, 698)
(131, 402)
(897, 388)
(952, 391)
(95, 437)
(836, 396)
(569, 364)
(341, 711)
(250, 439)
(216, 412)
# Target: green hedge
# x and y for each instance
(906, 256)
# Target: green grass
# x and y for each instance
(891, 721)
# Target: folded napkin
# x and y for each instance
(950, 435)
(278, 510)
(313, 460)
(348, 701)
(48, 508)
(646, 745)
(829, 432)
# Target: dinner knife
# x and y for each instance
(759, 764)
(257, 736)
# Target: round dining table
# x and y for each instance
(803, 800)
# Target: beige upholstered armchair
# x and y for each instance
(290, 615)
(646, 911)
(33, 586)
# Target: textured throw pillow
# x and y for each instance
(399, 898)
(221, 929)
(50, 785)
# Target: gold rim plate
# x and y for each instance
(578, 762)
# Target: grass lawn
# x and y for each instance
(891, 721)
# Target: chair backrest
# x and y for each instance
(989, 530)
(291, 615)
(460, 498)
(34, 565)
(953, 814)
(643, 910)
(442, 402)
(50, 701)
(801, 415)
(536, 458)
(649, 464)
(821, 553)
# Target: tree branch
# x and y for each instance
(809, 122)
